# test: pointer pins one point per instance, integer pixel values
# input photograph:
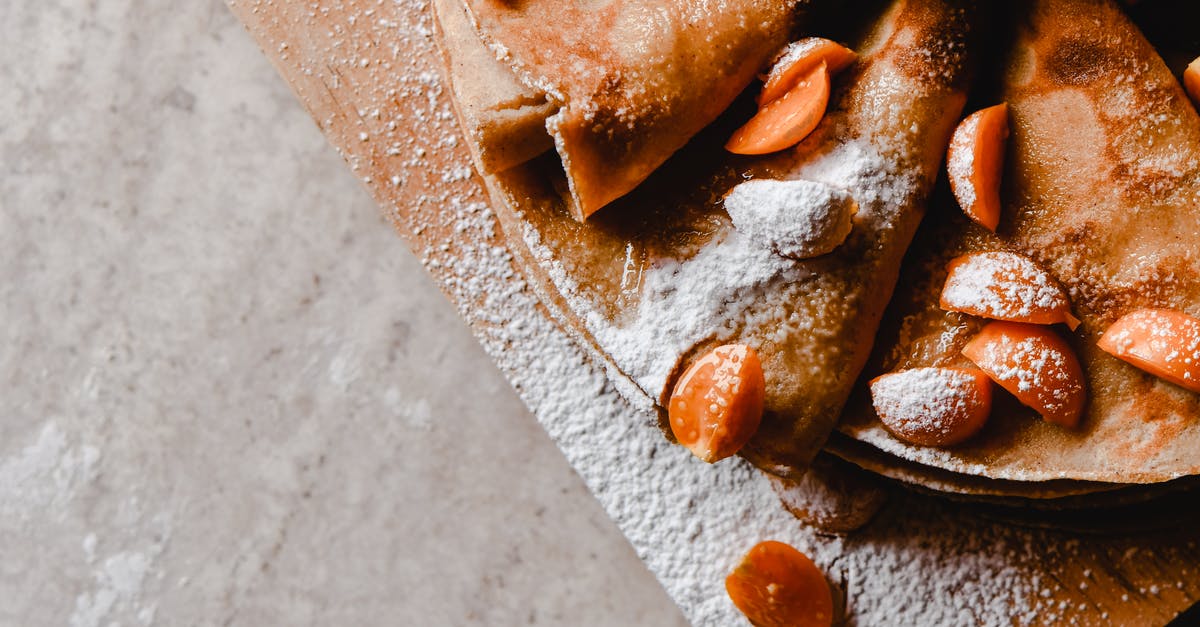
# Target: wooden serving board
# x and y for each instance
(368, 72)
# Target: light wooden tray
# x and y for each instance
(367, 71)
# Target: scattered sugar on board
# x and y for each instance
(690, 522)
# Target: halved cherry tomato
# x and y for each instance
(1191, 80)
(778, 586)
(975, 161)
(785, 121)
(1035, 365)
(933, 406)
(1163, 342)
(1005, 286)
(717, 404)
(798, 59)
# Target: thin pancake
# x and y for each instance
(956, 485)
(635, 79)
(503, 119)
(1102, 186)
(662, 276)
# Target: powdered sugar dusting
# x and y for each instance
(927, 405)
(685, 302)
(872, 170)
(960, 164)
(922, 562)
(797, 219)
(1004, 286)
(794, 52)
(691, 522)
(682, 303)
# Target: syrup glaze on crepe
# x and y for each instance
(662, 276)
(1102, 190)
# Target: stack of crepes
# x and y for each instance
(1102, 190)
(598, 127)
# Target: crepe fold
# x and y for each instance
(630, 81)
(662, 276)
(504, 121)
(1102, 189)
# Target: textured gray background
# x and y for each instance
(228, 393)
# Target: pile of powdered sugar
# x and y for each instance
(797, 219)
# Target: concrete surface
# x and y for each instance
(229, 393)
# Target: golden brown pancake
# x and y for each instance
(632, 80)
(662, 276)
(503, 119)
(1102, 185)
(957, 485)
(833, 496)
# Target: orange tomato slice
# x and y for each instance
(785, 121)
(1035, 365)
(798, 59)
(1162, 342)
(717, 404)
(1005, 286)
(975, 161)
(778, 586)
(933, 406)
(1191, 81)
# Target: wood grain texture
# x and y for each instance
(367, 71)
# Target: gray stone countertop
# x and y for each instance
(230, 393)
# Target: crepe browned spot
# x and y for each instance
(662, 276)
(1102, 189)
(632, 80)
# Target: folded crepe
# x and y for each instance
(631, 81)
(662, 276)
(1102, 189)
(504, 120)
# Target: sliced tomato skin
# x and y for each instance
(785, 121)
(717, 404)
(808, 53)
(1034, 364)
(1163, 342)
(975, 163)
(778, 586)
